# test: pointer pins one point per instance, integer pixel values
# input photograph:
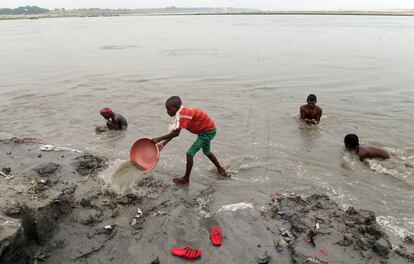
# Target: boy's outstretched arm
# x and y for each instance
(168, 137)
(163, 143)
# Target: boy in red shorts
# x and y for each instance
(197, 122)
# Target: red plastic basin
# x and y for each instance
(144, 154)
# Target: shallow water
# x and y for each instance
(251, 74)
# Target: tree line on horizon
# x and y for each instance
(22, 10)
(28, 10)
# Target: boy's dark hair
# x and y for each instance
(311, 98)
(174, 101)
(351, 140)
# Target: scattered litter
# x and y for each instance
(47, 148)
(312, 260)
(7, 176)
(159, 213)
(105, 230)
(235, 207)
(9, 223)
(37, 187)
(311, 236)
(139, 213)
(53, 148)
(138, 220)
(280, 243)
(312, 233)
(26, 140)
(287, 234)
(316, 259)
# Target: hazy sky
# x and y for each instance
(258, 4)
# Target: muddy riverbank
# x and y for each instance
(56, 208)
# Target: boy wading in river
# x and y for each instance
(310, 112)
(114, 121)
(197, 122)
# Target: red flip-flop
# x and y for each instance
(186, 252)
(215, 236)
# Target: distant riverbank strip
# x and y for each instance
(87, 13)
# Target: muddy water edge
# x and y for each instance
(58, 209)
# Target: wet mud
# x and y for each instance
(67, 207)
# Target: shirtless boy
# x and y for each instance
(352, 144)
(115, 121)
(310, 112)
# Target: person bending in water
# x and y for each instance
(115, 121)
(310, 112)
(196, 122)
(352, 144)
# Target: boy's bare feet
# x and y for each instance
(223, 172)
(181, 181)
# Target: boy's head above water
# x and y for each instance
(106, 113)
(173, 104)
(311, 100)
(351, 141)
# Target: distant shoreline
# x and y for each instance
(274, 13)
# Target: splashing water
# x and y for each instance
(121, 176)
(400, 166)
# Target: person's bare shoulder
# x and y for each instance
(119, 117)
(318, 108)
(365, 152)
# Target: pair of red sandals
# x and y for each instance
(193, 253)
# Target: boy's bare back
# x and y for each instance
(365, 152)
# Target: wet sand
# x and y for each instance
(73, 207)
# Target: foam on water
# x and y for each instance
(400, 165)
(399, 227)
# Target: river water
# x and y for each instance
(250, 74)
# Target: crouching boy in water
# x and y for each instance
(197, 122)
(114, 121)
(352, 144)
